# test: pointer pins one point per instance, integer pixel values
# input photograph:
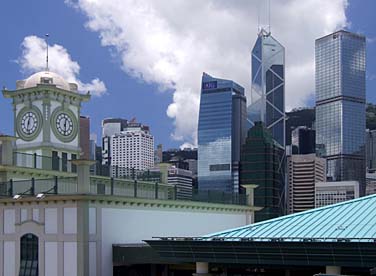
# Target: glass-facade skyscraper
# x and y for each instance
(221, 132)
(340, 105)
(268, 86)
(261, 158)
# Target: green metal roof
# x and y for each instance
(350, 221)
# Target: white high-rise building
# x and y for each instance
(128, 150)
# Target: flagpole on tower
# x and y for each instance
(46, 39)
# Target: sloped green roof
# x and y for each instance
(353, 220)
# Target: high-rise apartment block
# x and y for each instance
(340, 105)
(304, 170)
(268, 86)
(221, 132)
(110, 126)
(129, 148)
(260, 165)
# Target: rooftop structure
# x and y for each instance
(340, 237)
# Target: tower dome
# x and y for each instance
(46, 77)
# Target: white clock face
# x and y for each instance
(64, 124)
(29, 123)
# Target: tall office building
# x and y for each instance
(221, 132)
(260, 165)
(85, 137)
(340, 105)
(371, 150)
(304, 171)
(299, 117)
(303, 140)
(268, 86)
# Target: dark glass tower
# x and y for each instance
(340, 105)
(268, 86)
(260, 165)
(221, 132)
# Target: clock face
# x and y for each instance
(29, 123)
(64, 124)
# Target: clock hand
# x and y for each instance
(28, 124)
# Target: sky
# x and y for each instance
(144, 59)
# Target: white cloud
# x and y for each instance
(33, 59)
(172, 42)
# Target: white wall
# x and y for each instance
(9, 258)
(134, 225)
(51, 259)
(70, 258)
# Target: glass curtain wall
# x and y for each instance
(268, 86)
(340, 105)
(221, 131)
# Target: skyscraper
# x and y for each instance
(303, 140)
(221, 132)
(340, 105)
(268, 86)
(260, 165)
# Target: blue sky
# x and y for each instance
(146, 97)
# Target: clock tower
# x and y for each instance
(46, 121)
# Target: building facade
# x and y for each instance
(340, 105)
(299, 117)
(132, 150)
(268, 86)
(371, 150)
(47, 121)
(304, 171)
(303, 140)
(260, 165)
(56, 221)
(328, 193)
(85, 137)
(110, 126)
(221, 132)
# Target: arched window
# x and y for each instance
(29, 255)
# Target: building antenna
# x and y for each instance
(258, 16)
(46, 39)
(270, 27)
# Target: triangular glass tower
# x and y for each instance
(268, 86)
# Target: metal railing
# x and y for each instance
(35, 161)
(66, 185)
(213, 196)
(126, 172)
(113, 187)
(131, 188)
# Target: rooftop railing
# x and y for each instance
(98, 186)
(36, 161)
(113, 187)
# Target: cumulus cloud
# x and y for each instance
(172, 42)
(33, 59)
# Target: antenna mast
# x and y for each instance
(270, 27)
(46, 39)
